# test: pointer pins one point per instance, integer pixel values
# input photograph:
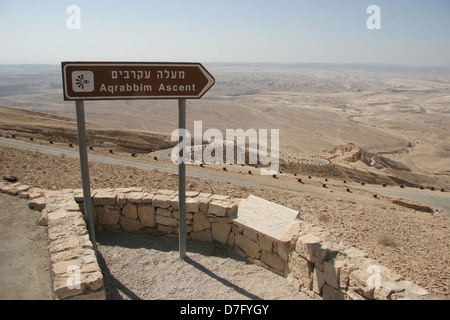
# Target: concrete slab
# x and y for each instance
(266, 217)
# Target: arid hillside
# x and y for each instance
(55, 129)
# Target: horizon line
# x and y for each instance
(247, 63)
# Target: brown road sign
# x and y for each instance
(134, 80)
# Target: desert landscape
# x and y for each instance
(374, 126)
(394, 118)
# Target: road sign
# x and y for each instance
(134, 80)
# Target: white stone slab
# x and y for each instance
(265, 216)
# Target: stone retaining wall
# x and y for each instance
(323, 265)
(75, 271)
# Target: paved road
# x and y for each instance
(145, 166)
(165, 155)
(433, 198)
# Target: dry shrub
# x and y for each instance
(324, 217)
(386, 240)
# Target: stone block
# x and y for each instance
(43, 220)
(237, 227)
(307, 244)
(265, 242)
(174, 203)
(250, 247)
(192, 205)
(161, 201)
(127, 190)
(130, 225)
(353, 253)
(264, 216)
(386, 289)
(71, 205)
(189, 215)
(218, 208)
(331, 273)
(230, 241)
(135, 197)
(291, 231)
(90, 295)
(219, 197)
(301, 269)
(283, 251)
(93, 280)
(37, 204)
(108, 215)
(166, 221)
(318, 281)
(121, 200)
(146, 214)
(22, 188)
(251, 234)
(358, 282)
(273, 260)
(24, 195)
(330, 293)
(164, 212)
(164, 229)
(203, 203)
(201, 236)
(415, 290)
(204, 195)
(130, 211)
(11, 190)
(147, 199)
(169, 193)
(232, 209)
(220, 231)
(104, 198)
(192, 194)
(200, 221)
(62, 290)
(63, 267)
(352, 295)
(385, 272)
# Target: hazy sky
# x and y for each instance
(414, 32)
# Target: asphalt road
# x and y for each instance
(435, 199)
(114, 161)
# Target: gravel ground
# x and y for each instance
(148, 267)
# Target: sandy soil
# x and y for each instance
(412, 243)
(24, 258)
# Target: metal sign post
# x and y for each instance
(88, 207)
(182, 181)
(133, 81)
